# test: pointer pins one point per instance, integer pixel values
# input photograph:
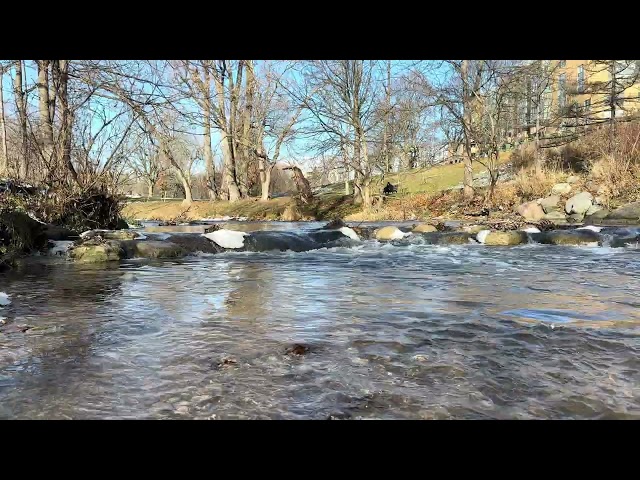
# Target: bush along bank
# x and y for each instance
(30, 217)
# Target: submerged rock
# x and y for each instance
(296, 349)
(567, 237)
(513, 237)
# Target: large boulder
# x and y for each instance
(567, 237)
(631, 212)
(579, 203)
(195, 243)
(20, 232)
(424, 228)
(560, 189)
(593, 209)
(531, 211)
(549, 204)
(389, 233)
(597, 217)
(94, 252)
(513, 237)
(152, 249)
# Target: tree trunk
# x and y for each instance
(45, 113)
(265, 179)
(66, 119)
(247, 137)
(538, 156)
(208, 152)
(366, 181)
(18, 92)
(188, 197)
(150, 189)
(466, 99)
(229, 184)
(4, 161)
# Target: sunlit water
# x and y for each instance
(413, 332)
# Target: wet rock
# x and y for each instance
(89, 252)
(195, 243)
(152, 249)
(550, 203)
(567, 237)
(579, 203)
(120, 235)
(447, 238)
(365, 233)
(513, 237)
(424, 228)
(335, 224)
(560, 189)
(619, 242)
(225, 362)
(531, 211)
(296, 350)
(389, 233)
(629, 212)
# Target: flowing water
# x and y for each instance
(389, 332)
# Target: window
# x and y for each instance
(581, 79)
(562, 63)
(562, 94)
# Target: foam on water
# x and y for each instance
(481, 236)
(60, 247)
(4, 299)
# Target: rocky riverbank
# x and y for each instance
(100, 246)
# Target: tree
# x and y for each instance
(341, 97)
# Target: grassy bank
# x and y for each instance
(415, 186)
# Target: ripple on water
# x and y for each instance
(415, 331)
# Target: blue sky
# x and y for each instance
(298, 151)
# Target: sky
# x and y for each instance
(298, 151)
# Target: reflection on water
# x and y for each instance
(423, 331)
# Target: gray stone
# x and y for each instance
(513, 237)
(531, 211)
(631, 211)
(593, 209)
(561, 189)
(573, 179)
(567, 237)
(579, 203)
(549, 204)
(152, 249)
(108, 251)
(556, 217)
